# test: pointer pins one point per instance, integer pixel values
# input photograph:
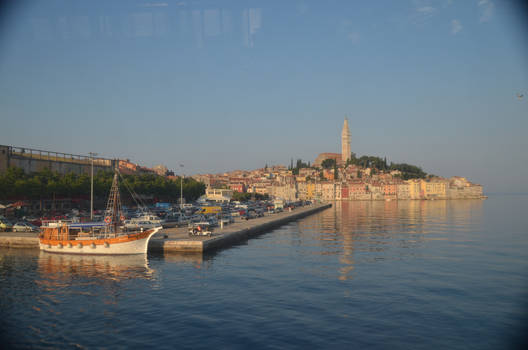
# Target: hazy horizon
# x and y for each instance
(219, 86)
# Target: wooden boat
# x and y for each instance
(108, 237)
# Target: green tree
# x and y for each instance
(47, 184)
(328, 163)
(408, 171)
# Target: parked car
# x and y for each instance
(25, 227)
(37, 222)
(229, 218)
(5, 225)
(212, 220)
(134, 225)
(249, 215)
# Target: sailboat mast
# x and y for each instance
(113, 208)
(92, 154)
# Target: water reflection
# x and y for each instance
(196, 260)
(59, 268)
(367, 230)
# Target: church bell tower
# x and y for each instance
(345, 142)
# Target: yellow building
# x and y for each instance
(414, 188)
(435, 188)
(310, 190)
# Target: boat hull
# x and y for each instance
(136, 243)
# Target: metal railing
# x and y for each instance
(57, 156)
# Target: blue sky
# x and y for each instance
(223, 85)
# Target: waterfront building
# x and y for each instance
(328, 191)
(402, 191)
(433, 189)
(357, 190)
(287, 192)
(344, 192)
(218, 194)
(310, 191)
(376, 190)
(460, 187)
(337, 191)
(415, 189)
(302, 190)
(389, 189)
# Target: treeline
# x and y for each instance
(408, 171)
(299, 165)
(45, 184)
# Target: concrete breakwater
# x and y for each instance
(177, 239)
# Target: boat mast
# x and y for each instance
(92, 154)
(113, 212)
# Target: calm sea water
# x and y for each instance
(397, 275)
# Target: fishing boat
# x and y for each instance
(108, 237)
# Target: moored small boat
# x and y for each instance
(108, 237)
(72, 239)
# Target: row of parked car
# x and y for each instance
(21, 226)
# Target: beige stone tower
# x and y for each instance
(345, 142)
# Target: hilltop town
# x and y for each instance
(352, 183)
(341, 176)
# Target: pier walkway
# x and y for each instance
(178, 240)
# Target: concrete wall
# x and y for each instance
(34, 160)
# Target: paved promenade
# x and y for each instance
(178, 240)
(19, 239)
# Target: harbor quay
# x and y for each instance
(177, 239)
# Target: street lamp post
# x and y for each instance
(181, 187)
(91, 186)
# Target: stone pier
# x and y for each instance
(177, 239)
